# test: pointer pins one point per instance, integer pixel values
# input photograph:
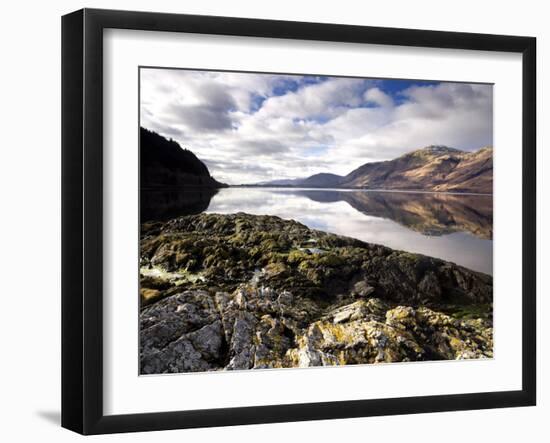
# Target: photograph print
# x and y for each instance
(294, 221)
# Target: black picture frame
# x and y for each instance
(82, 218)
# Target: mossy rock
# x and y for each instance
(228, 250)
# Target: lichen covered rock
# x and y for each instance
(240, 292)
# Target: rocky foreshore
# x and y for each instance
(242, 291)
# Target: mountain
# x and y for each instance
(434, 168)
(281, 182)
(164, 164)
(322, 180)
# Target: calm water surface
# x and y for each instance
(454, 227)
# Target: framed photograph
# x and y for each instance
(269, 221)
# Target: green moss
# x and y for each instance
(269, 244)
(469, 311)
(331, 260)
(295, 257)
(408, 257)
(276, 257)
(305, 265)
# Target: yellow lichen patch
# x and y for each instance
(402, 317)
(334, 333)
(149, 295)
(456, 344)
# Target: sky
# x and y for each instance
(250, 128)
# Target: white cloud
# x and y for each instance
(255, 127)
(326, 99)
(376, 96)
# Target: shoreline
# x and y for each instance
(403, 191)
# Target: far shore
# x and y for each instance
(407, 191)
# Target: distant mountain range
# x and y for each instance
(433, 168)
(322, 180)
(165, 164)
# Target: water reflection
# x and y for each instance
(166, 204)
(454, 227)
(427, 213)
